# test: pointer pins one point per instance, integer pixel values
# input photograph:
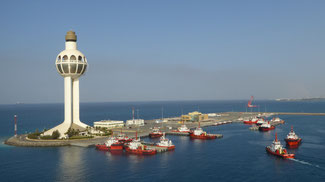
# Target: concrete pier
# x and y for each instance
(143, 132)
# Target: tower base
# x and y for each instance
(64, 127)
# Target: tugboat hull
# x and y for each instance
(114, 147)
(266, 129)
(203, 137)
(140, 151)
(102, 147)
(284, 156)
(293, 142)
(169, 148)
(250, 122)
(155, 135)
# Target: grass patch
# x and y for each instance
(80, 137)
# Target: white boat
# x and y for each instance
(166, 143)
(260, 121)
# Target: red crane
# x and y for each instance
(249, 104)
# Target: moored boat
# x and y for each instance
(276, 119)
(182, 129)
(156, 133)
(165, 143)
(266, 126)
(135, 147)
(110, 145)
(123, 138)
(198, 133)
(260, 121)
(251, 121)
(276, 149)
(292, 139)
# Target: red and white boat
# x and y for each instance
(123, 138)
(135, 147)
(165, 143)
(251, 121)
(266, 126)
(292, 139)
(260, 121)
(156, 133)
(276, 149)
(198, 133)
(182, 129)
(277, 120)
(111, 144)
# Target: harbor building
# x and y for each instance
(135, 122)
(70, 64)
(194, 117)
(109, 124)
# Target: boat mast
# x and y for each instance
(276, 137)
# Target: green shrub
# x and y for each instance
(72, 132)
(32, 136)
(55, 134)
(80, 137)
(46, 137)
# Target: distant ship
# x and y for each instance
(301, 99)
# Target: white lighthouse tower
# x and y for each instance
(70, 64)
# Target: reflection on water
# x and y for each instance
(71, 164)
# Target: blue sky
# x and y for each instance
(165, 50)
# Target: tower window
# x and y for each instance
(80, 66)
(73, 58)
(59, 68)
(65, 58)
(73, 67)
(80, 59)
(65, 67)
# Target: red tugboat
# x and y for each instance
(156, 133)
(198, 133)
(266, 126)
(135, 147)
(292, 139)
(123, 138)
(110, 145)
(260, 121)
(165, 143)
(251, 121)
(277, 149)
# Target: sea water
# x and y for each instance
(239, 156)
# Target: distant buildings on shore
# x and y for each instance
(302, 99)
(194, 117)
